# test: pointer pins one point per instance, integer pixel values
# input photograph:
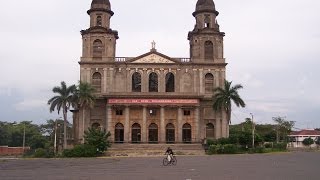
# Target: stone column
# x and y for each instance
(104, 80)
(144, 125)
(127, 124)
(112, 88)
(224, 125)
(162, 81)
(144, 81)
(162, 125)
(179, 124)
(218, 127)
(201, 81)
(109, 121)
(197, 125)
(88, 72)
(217, 78)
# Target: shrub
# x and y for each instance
(213, 149)
(97, 138)
(224, 141)
(308, 141)
(268, 145)
(280, 146)
(260, 150)
(211, 142)
(229, 149)
(83, 150)
(40, 153)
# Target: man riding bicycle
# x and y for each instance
(169, 152)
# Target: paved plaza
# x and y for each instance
(281, 166)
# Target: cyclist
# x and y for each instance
(169, 152)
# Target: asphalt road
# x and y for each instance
(282, 166)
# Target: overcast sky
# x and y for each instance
(272, 47)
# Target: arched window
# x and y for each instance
(207, 21)
(136, 82)
(170, 82)
(97, 48)
(99, 21)
(95, 125)
(210, 131)
(119, 133)
(136, 133)
(153, 133)
(186, 133)
(170, 133)
(209, 83)
(208, 50)
(96, 82)
(153, 82)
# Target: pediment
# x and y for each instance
(153, 58)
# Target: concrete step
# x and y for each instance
(154, 149)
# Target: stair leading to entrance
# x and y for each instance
(154, 149)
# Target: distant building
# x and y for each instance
(296, 137)
(153, 98)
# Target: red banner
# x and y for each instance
(153, 101)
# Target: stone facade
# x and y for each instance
(153, 98)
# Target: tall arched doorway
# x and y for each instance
(153, 133)
(170, 133)
(119, 133)
(186, 133)
(210, 131)
(136, 133)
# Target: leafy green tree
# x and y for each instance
(97, 138)
(308, 141)
(223, 97)
(283, 127)
(84, 98)
(63, 100)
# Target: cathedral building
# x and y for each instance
(153, 98)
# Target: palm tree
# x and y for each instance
(223, 97)
(84, 98)
(62, 101)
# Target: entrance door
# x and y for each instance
(170, 133)
(186, 133)
(136, 133)
(119, 133)
(153, 133)
(210, 131)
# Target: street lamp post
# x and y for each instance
(252, 130)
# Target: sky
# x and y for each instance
(272, 48)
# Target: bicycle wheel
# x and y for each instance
(165, 161)
(174, 161)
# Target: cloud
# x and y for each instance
(30, 104)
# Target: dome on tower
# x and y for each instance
(205, 6)
(101, 4)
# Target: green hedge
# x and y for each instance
(83, 150)
(223, 149)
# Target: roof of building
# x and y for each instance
(305, 133)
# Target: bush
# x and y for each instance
(41, 153)
(213, 149)
(268, 145)
(211, 142)
(280, 146)
(229, 149)
(260, 150)
(97, 138)
(224, 141)
(83, 150)
(308, 141)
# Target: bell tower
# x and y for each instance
(206, 40)
(99, 40)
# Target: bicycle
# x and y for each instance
(173, 161)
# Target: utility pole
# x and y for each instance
(252, 130)
(55, 138)
(24, 136)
